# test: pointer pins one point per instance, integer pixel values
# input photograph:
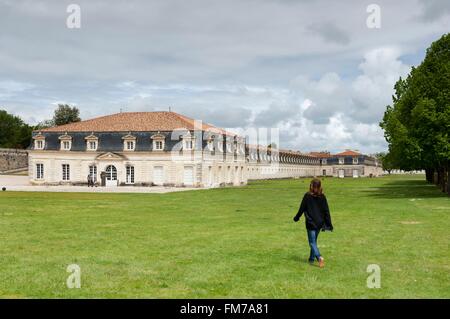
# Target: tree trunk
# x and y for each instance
(429, 175)
(448, 179)
(441, 182)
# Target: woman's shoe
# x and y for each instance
(321, 262)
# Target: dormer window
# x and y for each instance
(229, 148)
(39, 144)
(210, 145)
(65, 145)
(188, 145)
(210, 142)
(129, 142)
(130, 145)
(220, 145)
(242, 148)
(91, 142)
(159, 145)
(66, 142)
(92, 145)
(39, 141)
(158, 142)
(188, 142)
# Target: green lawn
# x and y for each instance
(233, 242)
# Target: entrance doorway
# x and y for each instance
(188, 178)
(111, 175)
(158, 175)
(130, 174)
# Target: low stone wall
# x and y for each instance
(11, 159)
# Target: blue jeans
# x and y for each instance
(312, 239)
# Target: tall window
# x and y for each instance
(130, 145)
(39, 144)
(111, 173)
(220, 145)
(39, 171)
(65, 145)
(130, 174)
(210, 145)
(229, 147)
(66, 172)
(159, 145)
(188, 145)
(242, 148)
(92, 145)
(93, 173)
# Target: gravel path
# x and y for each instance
(20, 183)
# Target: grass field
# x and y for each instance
(233, 242)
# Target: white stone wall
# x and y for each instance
(258, 171)
(208, 170)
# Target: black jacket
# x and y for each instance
(317, 214)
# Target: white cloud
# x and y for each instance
(311, 68)
(10, 88)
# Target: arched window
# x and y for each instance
(111, 173)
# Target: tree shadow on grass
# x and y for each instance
(413, 189)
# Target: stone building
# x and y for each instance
(141, 148)
(169, 149)
(268, 163)
(348, 164)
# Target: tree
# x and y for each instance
(14, 133)
(386, 162)
(417, 125)
(65, 114)
(44, 124)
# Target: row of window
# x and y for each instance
(92, 145)
(111, 173)
(130, 145)
(65, 171)
(342, 160)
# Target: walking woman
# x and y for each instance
(317, 217)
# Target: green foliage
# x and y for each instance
(66, 114)
(387, 162)
(417, 125)
(44, 124)
(14, 133)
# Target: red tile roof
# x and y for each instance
(348, 153)
(320, 154)
(135, 122)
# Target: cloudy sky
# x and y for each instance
(312, 69)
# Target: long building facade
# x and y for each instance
(167, 149)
